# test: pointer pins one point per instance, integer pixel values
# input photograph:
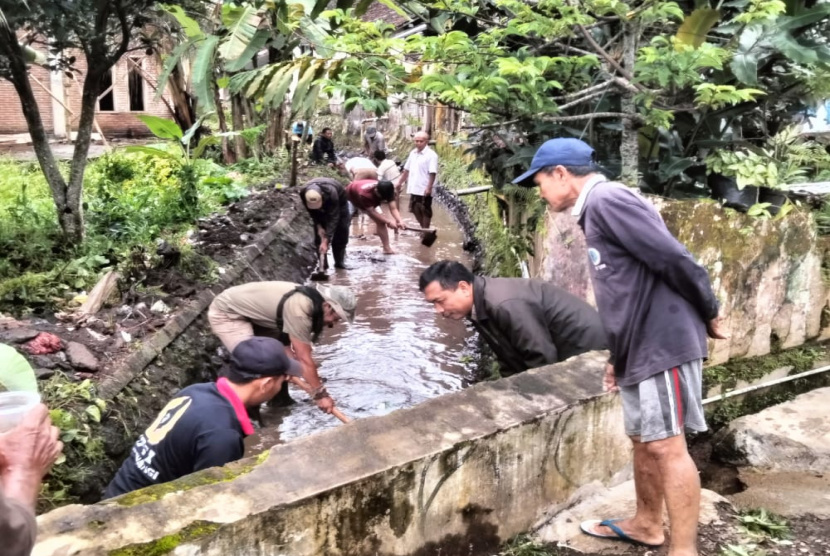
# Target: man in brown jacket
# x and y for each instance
(27, 452)
(527, 323)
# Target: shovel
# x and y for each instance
(320, 274)
(429, 237)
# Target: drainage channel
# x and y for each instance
(398, 352)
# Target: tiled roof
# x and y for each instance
(379, 12)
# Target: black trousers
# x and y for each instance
(341, 237)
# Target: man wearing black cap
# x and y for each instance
(657, 306)
(326, 203)
(205, 424)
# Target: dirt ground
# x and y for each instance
(809, 536)
(108, 333)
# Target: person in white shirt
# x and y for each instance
(419, 173)
(387, 169)
(360, 168)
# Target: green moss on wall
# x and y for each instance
(211, 476)
(167, 543)
(802, 358)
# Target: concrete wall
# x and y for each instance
(766, 274)
(454, 476)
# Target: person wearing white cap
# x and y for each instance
(289, 312)
(373, 141)
(326, 203)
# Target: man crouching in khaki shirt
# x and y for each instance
(291, 313)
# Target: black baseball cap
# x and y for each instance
(261, 356)
(563, 151)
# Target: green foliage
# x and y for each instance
(132, 199)
(785, 158)
(758, 527)
(504, 247)
(762, 524)
(15, 372)
(524, 545)
(76, 410)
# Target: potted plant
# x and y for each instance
(785, 158)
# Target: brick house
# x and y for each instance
(132, 92)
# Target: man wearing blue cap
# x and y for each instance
(205, 424)
(657, 306)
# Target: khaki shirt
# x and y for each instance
(18, 527)
(258, 301)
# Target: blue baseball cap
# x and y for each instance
(563, 151)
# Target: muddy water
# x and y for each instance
(398, 352)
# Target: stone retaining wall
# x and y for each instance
(766, 273)
(456, 475)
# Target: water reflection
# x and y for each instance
(398, 352)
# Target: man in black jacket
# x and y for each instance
(527, 323)
(324, 148)
(326, 203)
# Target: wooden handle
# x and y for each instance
(422, 230)
(339, 414)
(307, 389)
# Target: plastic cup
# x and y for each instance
(14, 406)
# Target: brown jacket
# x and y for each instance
(530, 323)
(18, 527)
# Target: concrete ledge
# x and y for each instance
(462, 472)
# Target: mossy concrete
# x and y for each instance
(456, 475)
(766, 273)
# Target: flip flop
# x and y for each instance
(619, 535)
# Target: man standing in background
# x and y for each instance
(373, 141)
(419, 173)
(657, 306)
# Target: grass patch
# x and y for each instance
(506, 245)
(130, 201)
(523, 545)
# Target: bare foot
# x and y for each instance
(388, 251)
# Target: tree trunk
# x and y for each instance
(238, 125)
(228, 154)
(629, 146)
(67, 201)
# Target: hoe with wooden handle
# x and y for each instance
(429, 237)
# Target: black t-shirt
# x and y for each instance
(196, 430)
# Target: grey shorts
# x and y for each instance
(665, 404)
